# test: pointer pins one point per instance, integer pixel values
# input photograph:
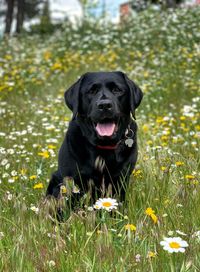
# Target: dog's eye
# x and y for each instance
(116, 90)
(93, 90)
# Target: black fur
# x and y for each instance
(87, 157)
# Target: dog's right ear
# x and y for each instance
(72, 97)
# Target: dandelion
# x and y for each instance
(63, 189)
(23, 171)
(51, 147)
(189, 177)
(38, 186)
(145, 128)
(163, 168)
(130, 227)
(107, 204)
(174, 244)
(150, 212)
(151, 254)
(137, 173)
(179, 163)
(44, 154)
(32, 177)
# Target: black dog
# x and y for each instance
(100, 147)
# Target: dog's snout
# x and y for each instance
(104, 105)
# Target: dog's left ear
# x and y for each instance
(72, 96)
(135, 94)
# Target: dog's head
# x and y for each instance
(104, 101)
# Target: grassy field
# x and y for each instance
(161, 52)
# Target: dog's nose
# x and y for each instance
(104, 105)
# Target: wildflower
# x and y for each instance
(34, 209)
(38, 186)
(163, 168)
(14, 173)
(150, 212)
(32, 177)
(23, 171)
(179, 163)
(51, 146)
(151, 254)
(137, 258)
(63, 189)
(174, 244)
(137, 173)
(44, 154)
(145, 128)
(107, 204)
(130, 227)
(4, 162)
(189, 176)
(11, 180)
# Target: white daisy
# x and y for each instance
(106, 203)
(174, 244)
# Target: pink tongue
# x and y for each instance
(106, 129)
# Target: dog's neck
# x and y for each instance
(128, 141)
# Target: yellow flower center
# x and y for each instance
(174, 245)
(107, 204)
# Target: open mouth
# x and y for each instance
(106, 128)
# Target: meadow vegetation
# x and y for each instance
(160, 51)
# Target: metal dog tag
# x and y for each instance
(129, 142)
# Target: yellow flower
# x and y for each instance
(151, 254)
(51, 146)
(44, 154)
(56, 66)
(163, 168)
(149, 142)
(130, 227)
(154, 218)
(150, 212)
(23, 171)
(38, 186)
(63, 189)
(137, 173)
(189, 177)
(179, 163)
(145, 128)
(47, 55)
(164, 138)
(182, 118)
(32, 177)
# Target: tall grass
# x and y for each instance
(160, 51)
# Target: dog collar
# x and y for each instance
(108, 147)
(128, 141)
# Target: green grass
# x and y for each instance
(161, 53)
